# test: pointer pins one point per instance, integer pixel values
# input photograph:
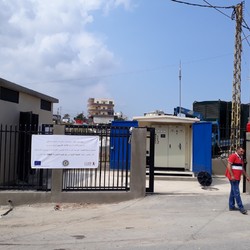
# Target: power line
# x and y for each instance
(245, 26)
(243, 20)
(202, 5)
(132, 72)
(217, 9)
(245, 38)
(232, 17)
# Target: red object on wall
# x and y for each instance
(78, 121)
(248, 126)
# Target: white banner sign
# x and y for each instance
(64, 151)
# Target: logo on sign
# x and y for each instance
(65, 163)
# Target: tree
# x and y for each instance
(80, 116)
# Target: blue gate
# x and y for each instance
(202, 147)
(120, 148)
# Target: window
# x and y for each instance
(9, 95)
(45, 105)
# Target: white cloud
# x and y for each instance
(111, 4)
(44, 41)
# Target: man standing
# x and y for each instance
(234, 171)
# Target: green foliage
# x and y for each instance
(80, 117)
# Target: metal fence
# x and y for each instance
(15, 156)
(221, 146)
(113, 172)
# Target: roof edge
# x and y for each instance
(16, 87)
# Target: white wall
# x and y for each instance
(9, 111)
(188, 142)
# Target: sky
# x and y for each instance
(126, 50)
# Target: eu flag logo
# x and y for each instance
(37, 163)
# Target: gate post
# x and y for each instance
(138, 162)
(57, 174)
(248, 160)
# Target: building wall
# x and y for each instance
(10, 111)
(45, 116)
(188, 141)
(100, 107)
(103, 120)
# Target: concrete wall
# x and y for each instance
(219, 166)
(10, 111)
(137, 181)
(31, 103)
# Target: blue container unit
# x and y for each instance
(202, 147)
(120, 148)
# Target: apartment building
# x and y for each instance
(100, 110)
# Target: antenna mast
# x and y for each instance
(180, 89)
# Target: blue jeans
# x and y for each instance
(235, 195)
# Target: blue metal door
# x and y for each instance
(202, 147)
(120, 149)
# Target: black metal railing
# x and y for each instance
(113, 171)
(15, 156)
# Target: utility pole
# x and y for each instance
(236, 94)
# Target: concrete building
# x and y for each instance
(16, 100)
(21, 110)
(100, 110)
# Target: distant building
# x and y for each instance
(66, 120)
(120, 116)
(57, 119)
(100, 110)
(155, 113)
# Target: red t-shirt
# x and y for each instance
(237, 166)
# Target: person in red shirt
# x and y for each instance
(234, 171)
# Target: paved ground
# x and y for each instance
(180, 215)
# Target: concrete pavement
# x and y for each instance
(180, 215)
